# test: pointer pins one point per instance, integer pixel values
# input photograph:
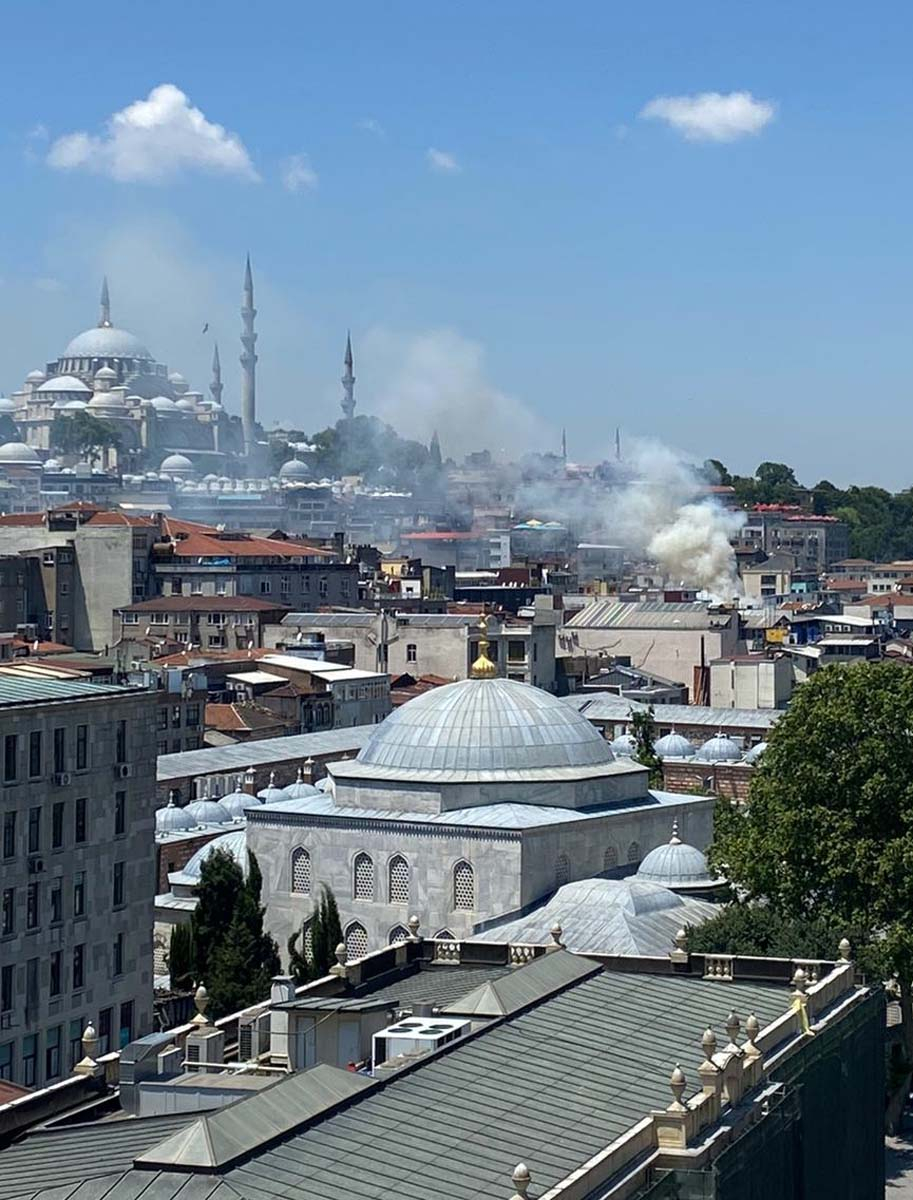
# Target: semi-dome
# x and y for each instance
(75, 404)
(176, 462)
(163, 404)
(485, 725)
(299, 789)
(624, 746)
(294, 469)
(64, 383)
(208, 812)
(234, 843)
(18, 452)
(185, 405)
(720, 749)
(272, 792)
(106, 341)
(172, 819)
(676, 865)
(673, 745)
(754, 754)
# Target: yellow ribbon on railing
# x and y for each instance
(799, 1006)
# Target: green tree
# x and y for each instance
(181, 957)
(758, 929)
(298, 966)
(326, 933)
(827, 833)
(221, 882)
(643, 730)
(81, 433)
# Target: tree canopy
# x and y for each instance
(81, 433)
(312, 950)
(643, 730)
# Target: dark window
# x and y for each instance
(32, 906)
(6, 1060)
(126, 1023)
(35, 753)
(120, 742)
(56, 900)
(162, 717)
(76, 1031)
(193, 714)
(104, 1030)
(55, 973)
(9, 834)
(8, 914)
(120, 813)
(82, 747)
(57, 825)
(79, 967)
(411, 652)
(175, 716)
(118, 891)
(79, 894)
(79, 824)
(34, 830)
(10, 757)
(52, 1053)
(6, 988)
(118, 955)
(29, 1059)
(60, 750)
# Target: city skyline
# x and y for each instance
(695, 229)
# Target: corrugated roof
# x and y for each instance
(223, 759)
(606, 706)
(316, 620)
(612, 614)
(538, 979)
(18, 688)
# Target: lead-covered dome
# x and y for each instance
(624, 746)
(485, 725)
(673, 745)
(208, 812)
(676, 865)
(294, 469)
(172, 819)
(64, 383)
(106, 341)
(720, 749)
(18, 452)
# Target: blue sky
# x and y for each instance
(557, 260)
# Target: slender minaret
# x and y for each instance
(215, 387)
(248, 362)
(348, 382)
(617, 443)
(104, 320)
(564, 445)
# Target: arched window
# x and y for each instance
(356, 939)
(444, 935)
(398, 934)
(610, 858)
(398, 880)
(301, 871)
(634, 852)
(463, 886)
(562, 870)
(363, 877)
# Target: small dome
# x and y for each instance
(176, 463)
(73, 405)
(237, 802)
(18, 452)
(185, 405)
(64, 383)
(105, 341)
(234, 843)
(624, 746)
(163, 404)
(35, 376)
(720, 749)
(673, 745)
(271, 793)
(172, 819)
(6, 405)
(676, 865)
(105, 373)
(294, 469)
(52, 465)
(299, 789)
(754, 754)
(208, 812)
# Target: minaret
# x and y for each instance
(215, 387)
(434, 451)
(104, 320)
(248, 362)
(348, 382)
(617, 443)
(564, 445)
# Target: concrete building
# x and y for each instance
(599, 563)
(76, 884)
(815, 542)
(210, 622)
(751, 681)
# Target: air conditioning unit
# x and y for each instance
(253, 1037)
(122, 770)
(419, 1035)
(62, 779)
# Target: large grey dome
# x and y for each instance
(294, 469)
(105, 341)
(485, 725)
(18, 452)
(64, 383)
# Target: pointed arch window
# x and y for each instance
(356, 940)
(634, 852)
(301, 871)
(444, 935)
(363, 877)
(463, 886)
(562, 870)
(398, 933)
(398, 880)
(609, 858)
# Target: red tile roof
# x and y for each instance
(113, 517)
(222, 545)
(23, 518)
(234, 718)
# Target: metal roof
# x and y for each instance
(612, 614)
(519, 989)
(16, 688)
(606, 706)
(328, 620)
(225, 759)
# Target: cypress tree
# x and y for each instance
(181, 957)
(221, 883)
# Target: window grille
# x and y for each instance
(610, 858)
(356, 938)
(301, 871)
(634, 852)
(363, 877)
(399, 880)
(463, 886)
(444, 935)
(562, 870)
(398, 934)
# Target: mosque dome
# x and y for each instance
(163, 404)
(172, 819)
(235, 843)
(720, 749)
(185, 405)
(6, 405)
(624, 746)
(176, 463)
(673, 745)
(676, 865)
(294, 469)
(485, 725)
(106, 341)
(18, 452)
(754, 754)
(271, 793)
(208, 812)
(64, 383)
(74, 404)
(52, 464)
(35, 376)
(299, 789)
(237, 802)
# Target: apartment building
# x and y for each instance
(77, 807)
(209, 622)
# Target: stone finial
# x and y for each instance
(413, 924)
(201, 1000)
(752, 1029)
(679, 952)
(556, 932)
(339, 966)
(845, 950)
(708, 1044)
(733, 1024)
(677, 1083)
(521, 1179)
(800, 982)
(88, 1064)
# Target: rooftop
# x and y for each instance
(18, 688)
(204, 604)
(224, 759)
(648, 614)
(606, 706)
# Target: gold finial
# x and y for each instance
(483, 667)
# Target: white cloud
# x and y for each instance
(297, 173)
(152, 140)
(369, 125)
(711, 116)
(442, 161)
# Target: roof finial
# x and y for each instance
(104, 320)
(675, 840)
(483, 667)
(521, 1179)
